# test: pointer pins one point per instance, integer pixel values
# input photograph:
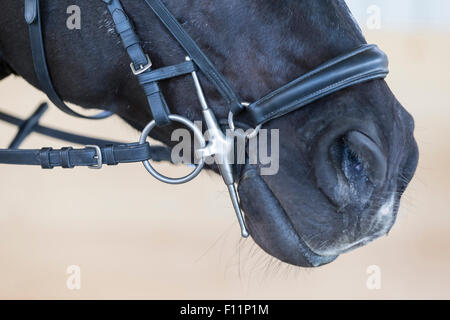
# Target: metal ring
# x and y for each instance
(249, 136)
(198, 134)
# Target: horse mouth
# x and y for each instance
(270, 226)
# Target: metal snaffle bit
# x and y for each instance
(220, 147)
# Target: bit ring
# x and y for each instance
(198, 135)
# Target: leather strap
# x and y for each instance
(33, 19)
(49, 158)
(158, 153)
(140, 61)
(366, 63)
(28, 126)
(197, 55)
(167, 72)
(53, 133)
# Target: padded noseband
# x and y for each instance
(366, 63)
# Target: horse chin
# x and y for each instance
(269, 224)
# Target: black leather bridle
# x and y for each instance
(365, 63)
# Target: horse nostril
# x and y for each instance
(367, 154)
(348, 167)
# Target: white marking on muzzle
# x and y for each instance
(387, 208)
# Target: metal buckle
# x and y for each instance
(142, 68)
(98, 157)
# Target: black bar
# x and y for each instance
(207, 309)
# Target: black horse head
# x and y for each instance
(345, 160)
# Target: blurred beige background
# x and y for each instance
(134, 237)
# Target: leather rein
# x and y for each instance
(365, 63)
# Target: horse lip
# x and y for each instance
(287, 245)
